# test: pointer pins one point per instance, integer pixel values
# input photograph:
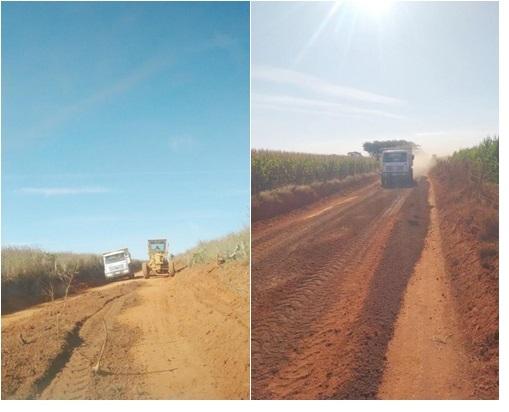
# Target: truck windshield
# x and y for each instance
(157, 247)
(117, 257)
(394, 157)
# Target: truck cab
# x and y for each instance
(396, 167)
(117, 264)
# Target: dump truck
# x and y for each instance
(158, 262)
(118, 264)
(397, 167)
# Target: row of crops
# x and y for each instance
(271, 169)
(482, 160)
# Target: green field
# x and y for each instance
(273, 169)
(474, 169)
(480, 160)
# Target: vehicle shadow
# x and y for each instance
(374, 328)
(414, 183)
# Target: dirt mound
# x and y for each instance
(469, 221)
(275, 202)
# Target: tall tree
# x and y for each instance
(376, 147)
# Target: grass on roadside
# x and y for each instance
(32, 275)
(234, 246)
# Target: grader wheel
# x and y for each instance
(145, 270)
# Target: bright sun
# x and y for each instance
(373, 7)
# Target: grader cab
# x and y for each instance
(158, 262)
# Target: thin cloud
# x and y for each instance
(152, 66)
(222, 41)
(430, 134)
(191, 173)
(63, 191)
(121, 86)
(315, 106)
(316, 85)
(179, 144)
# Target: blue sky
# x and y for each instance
(124, 122)
(327, 77)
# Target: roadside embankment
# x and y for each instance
(468, 220)
(285, 199)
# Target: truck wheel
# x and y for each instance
(145, 270)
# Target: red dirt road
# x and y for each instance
(428, 333)
(182, 337)
(328, 283)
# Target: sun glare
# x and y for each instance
(375, 8)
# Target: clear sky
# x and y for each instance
(327, 77)
(124, 122)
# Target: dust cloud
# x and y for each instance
(423, 162)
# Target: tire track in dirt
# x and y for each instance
(427, 357)
(304, 275)
(75, 379)
(181, 337)
(38, 344)
(374, 328)
(318, 351)
(283, 232)
(201, 325)
(280, 247)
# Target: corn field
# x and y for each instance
(273, 169)
(481, 160)
(475, 168)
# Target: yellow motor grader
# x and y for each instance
(158, 262)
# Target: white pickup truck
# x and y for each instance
(117, 264)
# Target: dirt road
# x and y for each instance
(328, 284)
(427, 334)
(184, 337)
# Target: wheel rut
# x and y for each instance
(71, 375)
(427, 357)
(310, 283)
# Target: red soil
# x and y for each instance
(327, 285)
(275, 202)
(469, 222)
